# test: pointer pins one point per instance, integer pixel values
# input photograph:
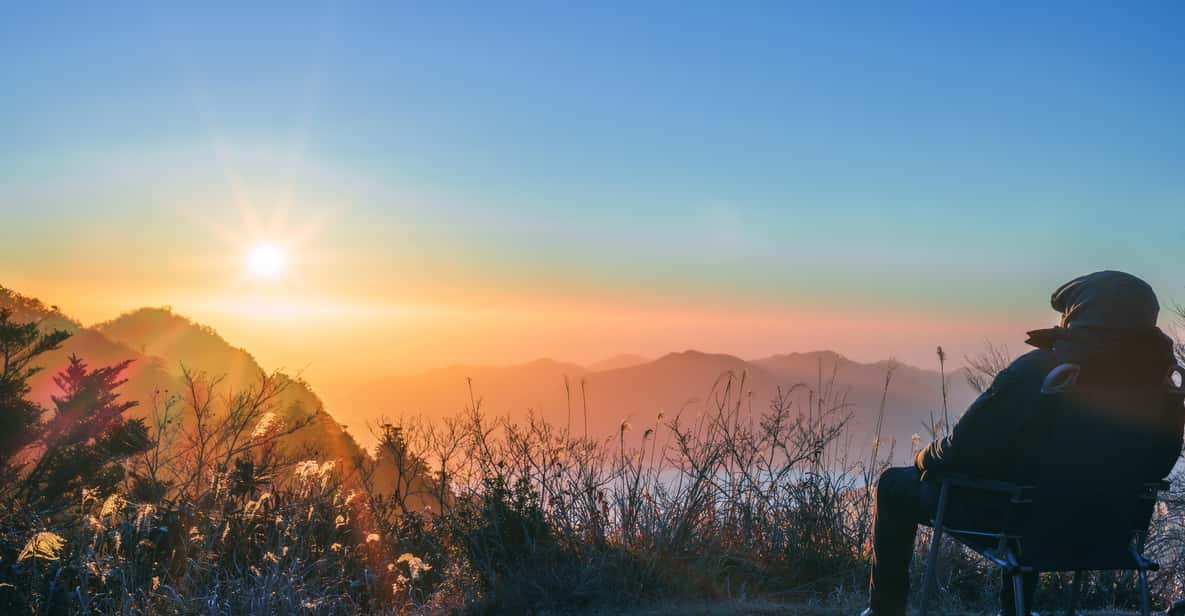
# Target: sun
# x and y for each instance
(266, 260)
(267, 253)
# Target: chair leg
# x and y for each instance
(1018, 593)
(935, 544)
(1145, 600)
(1075, 590)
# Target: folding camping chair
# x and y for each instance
(1081, 515)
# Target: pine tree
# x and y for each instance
(20, 418)
(86, 438)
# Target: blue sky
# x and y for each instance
(925, 157)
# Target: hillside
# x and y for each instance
(161, 343)
(32, 309)
(177, 342)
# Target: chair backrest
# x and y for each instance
(1107, 439)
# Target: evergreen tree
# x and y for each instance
(20, 418)
(82, 442)
(86, 438)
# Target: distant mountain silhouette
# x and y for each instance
(161, 333)
(625, 360)
(675, 382)
(620, 388)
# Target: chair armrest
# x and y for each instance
(1018, 495)
(1015, 490)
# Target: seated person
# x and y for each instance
(1108, 324)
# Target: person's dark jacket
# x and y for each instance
(1108, 328)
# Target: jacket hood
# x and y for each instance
(1147, 348)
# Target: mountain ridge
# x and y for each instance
(567, 394)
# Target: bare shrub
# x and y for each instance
(983, 367)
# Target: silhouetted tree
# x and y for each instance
(86, 439)
(397, 476)
(20, 418)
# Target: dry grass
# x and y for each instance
(723, 509)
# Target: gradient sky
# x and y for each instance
(456, 183)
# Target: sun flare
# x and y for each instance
(266, 260)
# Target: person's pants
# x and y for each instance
(903, 501)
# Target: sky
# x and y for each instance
(459, 182)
